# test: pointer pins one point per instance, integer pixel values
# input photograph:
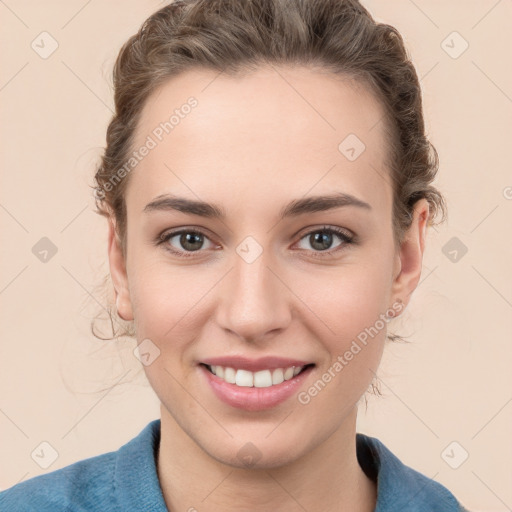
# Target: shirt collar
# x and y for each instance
(398, 487)
(136, 481)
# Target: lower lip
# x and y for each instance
(252, 398)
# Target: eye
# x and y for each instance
(322, 239)
(187, 242)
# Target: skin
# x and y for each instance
(252, 145)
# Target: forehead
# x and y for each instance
(276, 131)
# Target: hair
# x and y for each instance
(237, 36)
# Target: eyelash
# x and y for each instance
(343, 235)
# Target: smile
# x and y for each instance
(258, 389)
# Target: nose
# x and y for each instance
(254, 300)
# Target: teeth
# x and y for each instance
(244, 378)
(261, 379)
(288, 373)
(229, 375)
(277, 376)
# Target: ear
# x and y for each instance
(118, 273)
(409, 257)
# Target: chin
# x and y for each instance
(258, 453)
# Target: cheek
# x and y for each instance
(350, 305)
(352, 308)
(168, 301)
(349, 299)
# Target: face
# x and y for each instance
(266, 276)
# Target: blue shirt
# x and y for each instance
(126, 480)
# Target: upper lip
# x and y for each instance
(254, 365)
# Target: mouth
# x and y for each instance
(258, 390)
(260, 379)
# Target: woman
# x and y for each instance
(267, 185)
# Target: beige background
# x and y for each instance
(452, 383)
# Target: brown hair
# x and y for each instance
(233, 36)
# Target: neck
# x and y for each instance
(328, 478)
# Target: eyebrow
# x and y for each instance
(169, 202)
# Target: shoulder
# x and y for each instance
(125, 480)
(83, 486)
(400, 487)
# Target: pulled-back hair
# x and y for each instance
(237, 36)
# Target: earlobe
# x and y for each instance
(411, 253)
(123, 307)
(119, 275)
